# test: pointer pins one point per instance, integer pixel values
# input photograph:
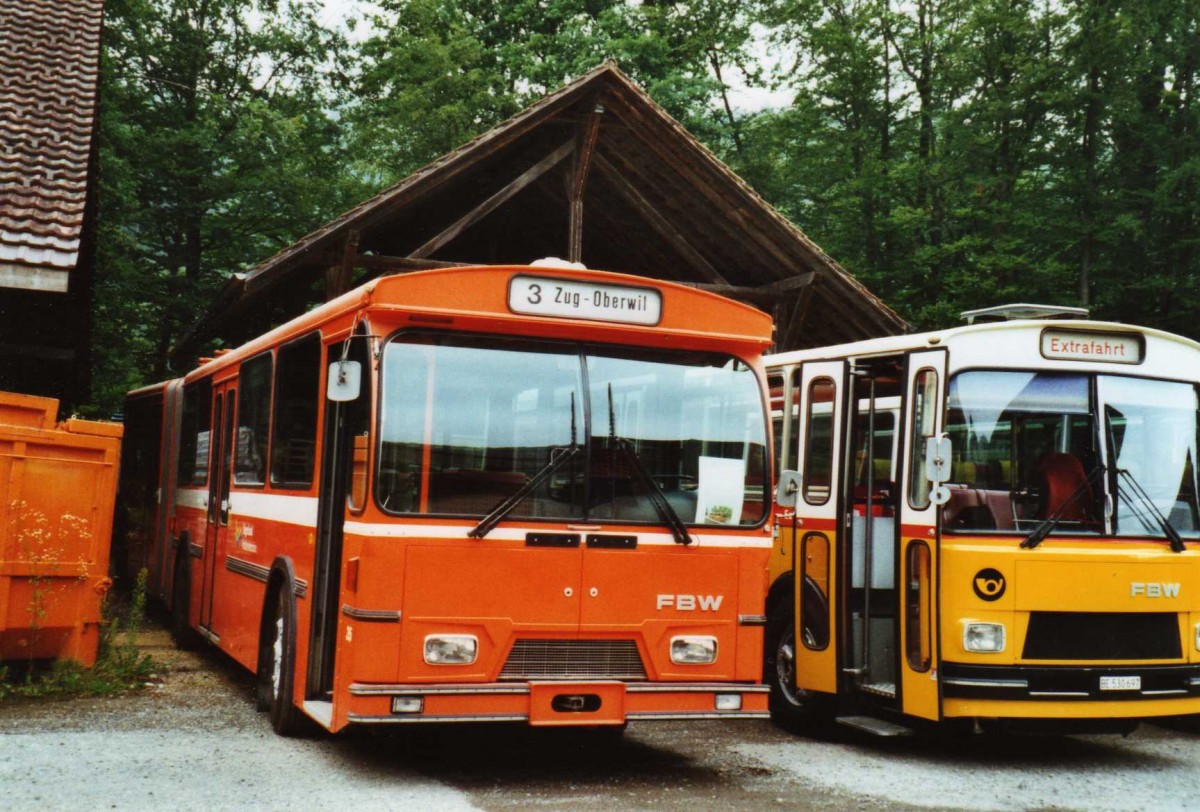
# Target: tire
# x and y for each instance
(277, 658)
(182, 633)
(791, 707)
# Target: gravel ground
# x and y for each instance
(193, 741)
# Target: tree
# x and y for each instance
(218, 147)
(437, 72)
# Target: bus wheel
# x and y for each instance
(278, 658)
(790, 706)
(181, 594)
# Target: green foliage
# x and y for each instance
(219, 145)
(120, 666)
(438, 72)
(950, 153)
(958, 154)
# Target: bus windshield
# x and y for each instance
(1026, 449)
(1151, 435)
(467, 421)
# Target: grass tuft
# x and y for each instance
(120, 666)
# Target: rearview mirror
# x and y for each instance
(344, 382)
(787, 489)
(937, 459)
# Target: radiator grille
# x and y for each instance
(1102, 636)
(574, 659)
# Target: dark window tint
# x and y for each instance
(193, 436)
(254, 419)
(297, 392)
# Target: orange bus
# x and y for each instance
(527, 494)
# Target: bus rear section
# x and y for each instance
(486, 494)
(996, 525)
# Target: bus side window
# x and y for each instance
(775, 385)
(297, 390)
(818, 442)
(924, 411)
(358, 422)
(254, 416)
(193, 435)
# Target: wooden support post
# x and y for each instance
(585, 146)
(791, 331)
(495, 201)
(339, 273)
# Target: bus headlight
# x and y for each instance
(693, 650)
(985, 638)
(1198, 637)
(451, 649)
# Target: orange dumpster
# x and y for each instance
(57, 486)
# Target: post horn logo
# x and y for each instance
(989, 584)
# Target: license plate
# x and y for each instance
(1120, 683)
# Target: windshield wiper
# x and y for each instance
(662, 505)
(657, 498)
(1148, 505)
(558, 456)
(1050, 522)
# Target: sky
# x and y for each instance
(743, 98)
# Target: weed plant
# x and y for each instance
(119, 667)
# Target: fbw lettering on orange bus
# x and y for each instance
(690, 603)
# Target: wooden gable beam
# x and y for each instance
(339, 274)
(586, 145)
(495, 201)
(658, 222)
(765, 295)
(790, 328)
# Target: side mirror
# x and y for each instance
(938, 453)
(787, 489)
(344, 381)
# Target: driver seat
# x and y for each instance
(1061, 475)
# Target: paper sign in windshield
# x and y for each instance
(721, 491)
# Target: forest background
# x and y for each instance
(951, 154)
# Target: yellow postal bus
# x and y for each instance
(996, 524)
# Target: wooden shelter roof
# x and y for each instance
(595, 172)
(49, 69)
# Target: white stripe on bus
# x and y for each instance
(518, 534)
(302, 510)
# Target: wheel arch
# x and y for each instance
(281, 576)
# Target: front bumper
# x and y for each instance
(555, 703)
(1064, 691)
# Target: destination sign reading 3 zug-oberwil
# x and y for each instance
(569, 299)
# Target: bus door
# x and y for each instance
(925, 392)
(815, 536)
(220, 460)
(163, 562)
(871, 504)
(343, 422)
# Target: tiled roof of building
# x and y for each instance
(49, 68)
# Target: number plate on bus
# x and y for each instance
(1120, 683)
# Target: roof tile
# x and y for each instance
(49, 69)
